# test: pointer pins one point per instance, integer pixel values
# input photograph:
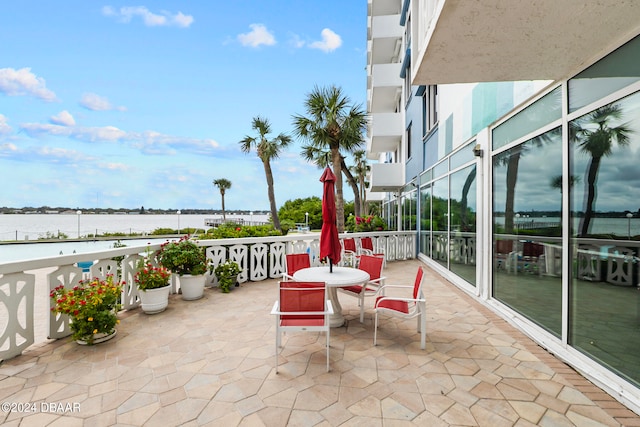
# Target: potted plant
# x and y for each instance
(92, 306)
(189, 261)
(153, 286)
(227, 274)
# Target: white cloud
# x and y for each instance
(330, 41)
(5, 129)
(64, 118)
(149, 142)
(94, 102)
(150, 19)
(259, 35)
(59, 155)
(114, 166)
(7, 149)
(296, 41)
(24, 82)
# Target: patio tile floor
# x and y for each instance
(211, 362)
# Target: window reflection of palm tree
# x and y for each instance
(464, 226)
(556, 181)
(512, 159)
(595, 136)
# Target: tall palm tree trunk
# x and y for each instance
(512, 178)
(224, 215)
(272, 197)
(354, 186)
(337, 171)
(592, 174)
(363, 197)
(464, 202)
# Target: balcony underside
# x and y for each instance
(499, 40)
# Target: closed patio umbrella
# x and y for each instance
(329, 240)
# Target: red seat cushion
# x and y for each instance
(391, 304)
(356, 289)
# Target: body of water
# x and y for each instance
(32, 227)
(622, 227)
(37, 226)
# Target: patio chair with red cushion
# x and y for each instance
(296, 262)
(373, 266)
(404, 307)
(302, 306)
(366, 248)
(349, 252)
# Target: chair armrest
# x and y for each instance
(275, 308)
(377, 281)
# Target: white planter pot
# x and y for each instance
(192, 286)
(155, 300)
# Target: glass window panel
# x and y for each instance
(540, 113)
(617, 70)
(527, 211)
(440, 220)
(425, 177)
(463, 224)
(441, 168)
(462, 156)
(425, 220)
(605, 219)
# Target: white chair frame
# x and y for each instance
(328, 311)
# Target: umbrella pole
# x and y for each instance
(330, 265)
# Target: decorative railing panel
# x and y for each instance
(259, 258)
(17, 299)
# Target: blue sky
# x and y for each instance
(118, 104)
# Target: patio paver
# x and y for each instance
(211, 362)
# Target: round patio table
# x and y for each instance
(341, 276)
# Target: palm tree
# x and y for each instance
(321, 159)
(267, 149)
(361, 168)
(332, 123)
(597, 139)
(223, 185)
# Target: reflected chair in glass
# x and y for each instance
(529, 260)
(302, 307)
(373, 266)
(503, 254)
(403, 307)
(296, 262)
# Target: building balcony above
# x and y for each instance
(383, 7)
(386, 87)
(465, 41)
(386, 177)
(385, 132)
(385, 38)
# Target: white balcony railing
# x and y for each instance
(25, 285)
